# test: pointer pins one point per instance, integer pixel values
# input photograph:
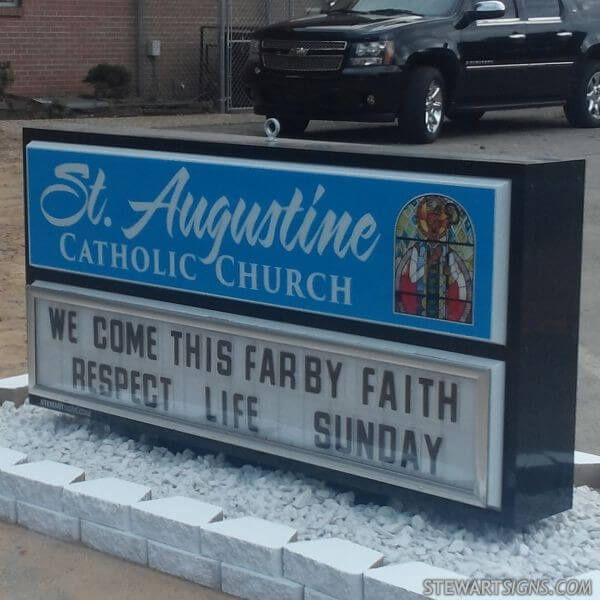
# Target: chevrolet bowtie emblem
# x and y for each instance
(299, 51)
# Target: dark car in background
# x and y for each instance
(416, 61)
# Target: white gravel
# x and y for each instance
(565, 545)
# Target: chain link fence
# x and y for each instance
(201, 46)
(242, 18)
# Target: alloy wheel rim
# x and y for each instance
(593, 96)
(434, 107)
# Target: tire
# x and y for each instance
(291, 126)
(466, 117)
(583, 108)
(422, 112)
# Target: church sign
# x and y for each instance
(392, 321)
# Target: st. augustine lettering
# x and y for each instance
(292, 226)
(282, 224)
(75, 191)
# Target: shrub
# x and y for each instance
(7, 76)
(109, 81)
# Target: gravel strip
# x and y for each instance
(565, 545)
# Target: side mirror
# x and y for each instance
(489, 9)
(486, 9)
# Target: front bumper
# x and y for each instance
(328, 96)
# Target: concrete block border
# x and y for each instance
(587, 470)
(14, 389)
(248, 557)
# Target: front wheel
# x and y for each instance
(423, 108)
(583, 108)
(291, 126)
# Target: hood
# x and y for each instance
(343, 25)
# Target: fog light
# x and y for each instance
(370, 100)
(257, 70)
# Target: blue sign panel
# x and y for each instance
(405, 250)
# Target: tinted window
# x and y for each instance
(542, 8)
(590, 8)
(511, 9)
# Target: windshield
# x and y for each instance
(427, 8)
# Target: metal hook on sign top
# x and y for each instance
(272, 129)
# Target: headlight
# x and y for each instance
(254, 49)
(372, 53)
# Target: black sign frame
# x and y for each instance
(547, 199)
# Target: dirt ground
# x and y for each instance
(12, 261)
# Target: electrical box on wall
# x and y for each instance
(154, 48)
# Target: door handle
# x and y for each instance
(565, 34)
(517, 36)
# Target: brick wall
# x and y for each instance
(53, 43)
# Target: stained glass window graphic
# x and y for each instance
(434, 260)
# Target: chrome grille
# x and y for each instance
(303, 55)
(307, 44)
(282, 62)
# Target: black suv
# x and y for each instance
(418, 60)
